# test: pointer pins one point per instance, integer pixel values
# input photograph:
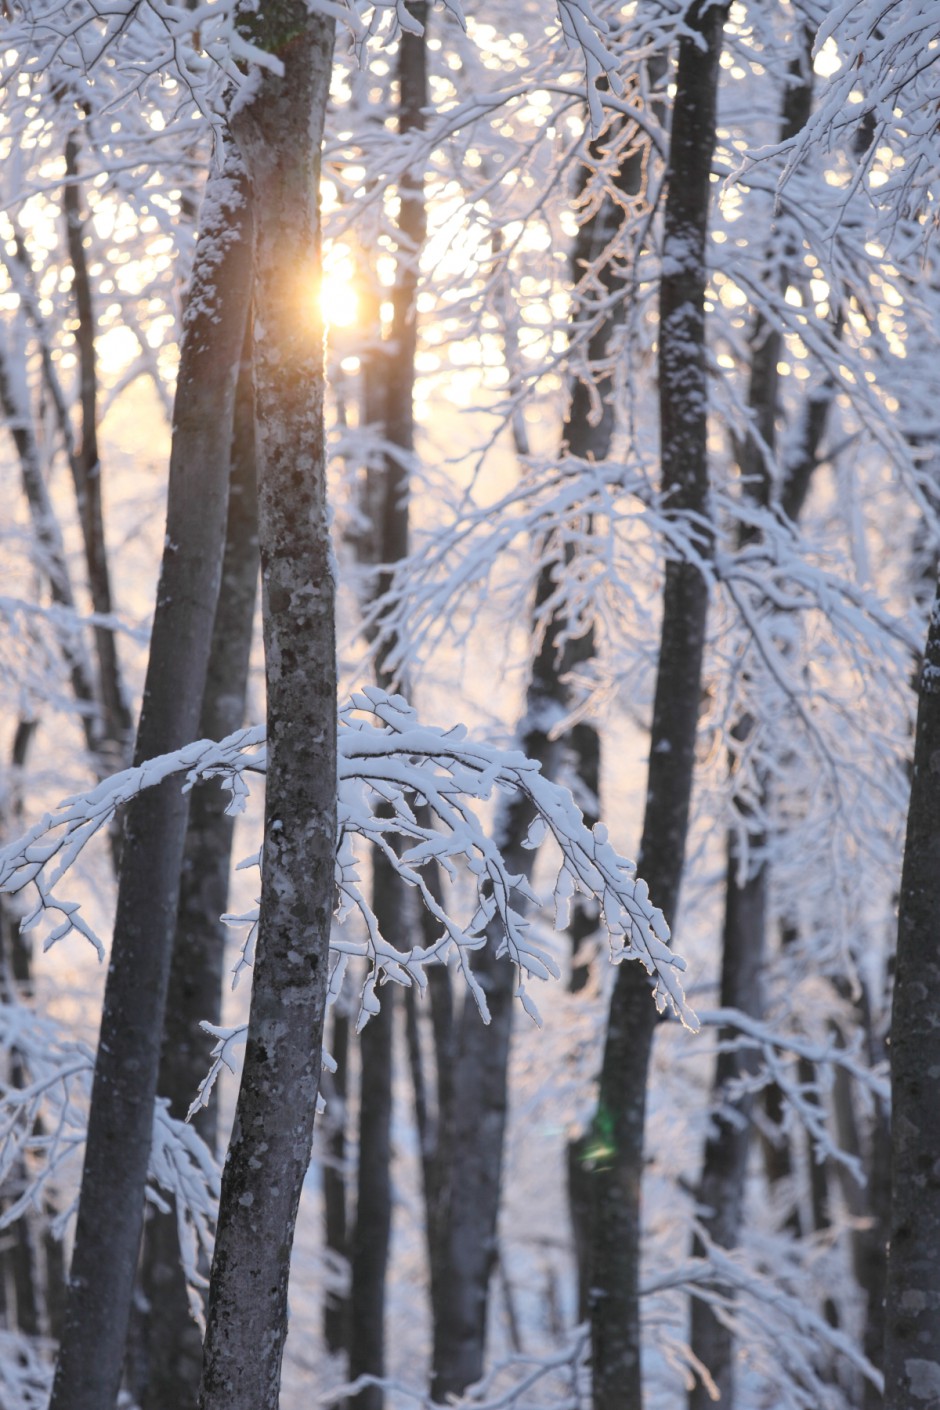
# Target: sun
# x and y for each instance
(339, 298)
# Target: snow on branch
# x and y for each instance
(419, 786)
(45, 1090)
(779, 1053)
(404, 765)
(554, 1381)
(885, 65)
(772, 1314)
(44, 855)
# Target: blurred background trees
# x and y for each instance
(588, 375)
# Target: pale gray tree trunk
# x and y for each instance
(912, 1321)
(169, 1342)
(616, 1150)
(279, 129)
(121, 1119)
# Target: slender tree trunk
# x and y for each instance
(372, 1230)
(121, 1119)
(51, 559)
(724, 1160)
(86, 468)
(170, 1340)
(390, 404)
(589, 437)
(616, 1150)
(279, 129)
(336, 1231)
(436, 1127)
(30, 1273)
(912, 1322)
(470, 1198)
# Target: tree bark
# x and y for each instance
(589, 437)
(470, 1190)
(390, 375)
(615, 1152)
(279, 129)
(86, 470)
(170, 1340)
(31, 1273)
(335, 1222)
(912, 1322)
(724, 1159)
(121, 1119)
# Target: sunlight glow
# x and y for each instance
(827, 61)
(339, 298)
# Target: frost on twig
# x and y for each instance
(557, 1380)
(393, 773)
(779, 1056)
(774, 1313)
(403, 764)
(45, 854)
(45, 1090)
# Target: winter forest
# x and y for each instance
(469, 704)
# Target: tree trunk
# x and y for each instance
(86, 471)
(589, 438)
(615, 1151)
(390, 375)
(470, 1187)
(724, 1159)
(29, 1279)
(52, 561)
(279, 128)
(912, 1323)
(121, 1119)
(171, 1341)
(336, 1235)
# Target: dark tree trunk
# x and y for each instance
(86, 471)
(279, 129)
(27, 1278)
(616, 1148)
(724, 1160)
(370, 1240)
(121, 1119)
(469, 1190)
(589, 437)
(389, 404)
(336, 1302)
(912, 1323)
(171, 1341)
(872, 1248)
